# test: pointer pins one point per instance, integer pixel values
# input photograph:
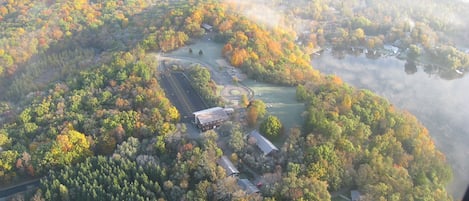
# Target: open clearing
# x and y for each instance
(280, 100)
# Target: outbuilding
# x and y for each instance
(247, 186)
(391, 48)
(355, 195)
(263, 143)
(229, 167)
(207, 27)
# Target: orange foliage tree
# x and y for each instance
(239, 56)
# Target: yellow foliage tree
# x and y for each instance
(173, 114)
(69, 147)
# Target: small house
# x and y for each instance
(263, 143)
(247, 186)
(229, 167)
(207, 27)
(391, 48)
(355, 195)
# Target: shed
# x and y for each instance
(355, 195)
(391, 48)
(247, 186)
(263, 143)
(207, 27)
(229, 167)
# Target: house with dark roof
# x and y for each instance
(211, 117)
(263, 143)
(229, 167)
(247, 186)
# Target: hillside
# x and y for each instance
(85, 112)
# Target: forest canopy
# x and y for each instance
(85, 111)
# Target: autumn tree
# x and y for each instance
(301, 93)
(172, 114)
(236, 140)
(346, 103)
(358, 36)
(414, 52)
(255, 111)
(244, 100)
(7, 160)
(296, 187)
(69, 147)
(5, 140)
(227, 49)
(271, 126)
(238, 57)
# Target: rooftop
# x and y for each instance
(247, 186)
(263, 143)
(210, 115)
(227, 165)
(355, 195)
(207, 26)
(391, 48)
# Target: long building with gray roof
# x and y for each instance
(247, 186)
(263, 143)
(229, 167)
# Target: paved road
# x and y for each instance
(12, 190)
(181, 93)
(178, 93)
(220, 77)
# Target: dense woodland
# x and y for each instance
(352, 136)
(204, 85)
(86, 113)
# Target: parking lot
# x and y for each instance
(180, 92)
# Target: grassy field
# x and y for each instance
(280, 101)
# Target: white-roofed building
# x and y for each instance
(263, 143)
(210, 118)
(391, 48)
(207, 27)
(229, 167)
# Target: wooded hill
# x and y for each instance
(107, 116)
